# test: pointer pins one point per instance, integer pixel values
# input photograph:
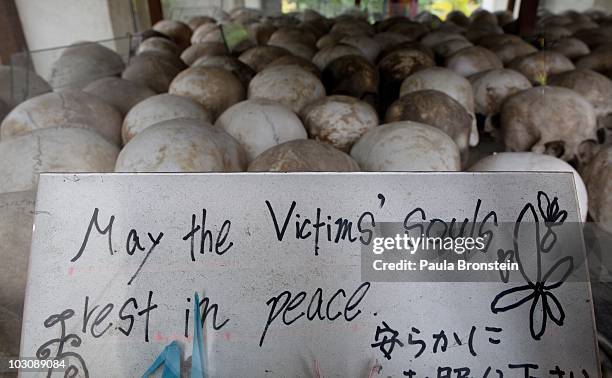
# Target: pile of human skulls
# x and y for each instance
(304, 92)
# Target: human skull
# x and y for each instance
(259, 57)
(599, 60)
(207, 33)
(472, 60)
(572, 48)
(303, 155)
(292, 34)
(492, 88)
(447, 48)
(181, 145)
(537, 67)
(260, 124)
(292, 60)
(120, 93)
(229, 63)
(178, 31)
(388, 40)
(437, 37)
(552, 120)
(153, 70)
(159, 44)
(60, 149)
(197, 21)
(328, 54)
(593, 86)
(215, 88)
(194, 52)
(447, 81)
(406, 146)
(296, 48)
(437, 109)
(339, 120)
(83, 62)
(507, 52)
(66, 108)
(292, 86)
(351, 75)
(368, 46)
(161, 108)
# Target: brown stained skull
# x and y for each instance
(351, 75)
(552, 120)
(303, 155)
(398, 65)
(436, 109)
(446, 81)
(178, 31)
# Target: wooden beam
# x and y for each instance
(528, 14)
(13, 40)
(155, 11)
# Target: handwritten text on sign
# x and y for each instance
(116, 260)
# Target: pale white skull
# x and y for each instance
(160, 108)
(65, 108)
(492, 88)
(406, 146)
(181, 145)
(215, 88)
(260, 124)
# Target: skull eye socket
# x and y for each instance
(601, 135)
(555, 148)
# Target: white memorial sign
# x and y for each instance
(276, 261)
